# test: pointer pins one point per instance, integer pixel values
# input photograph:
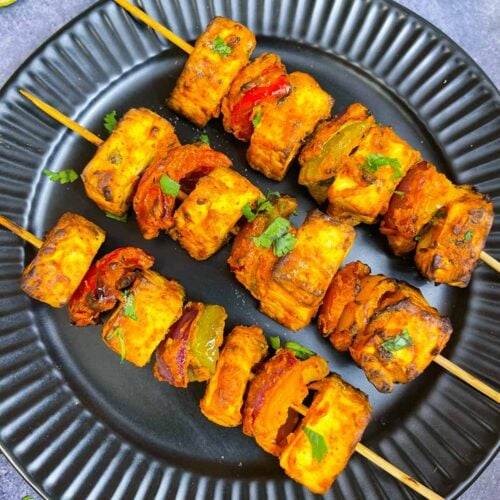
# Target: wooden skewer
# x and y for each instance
(391, 469)
(72, 125)
(169, 35)
(467, 378)
(149, 21)
(20, 231)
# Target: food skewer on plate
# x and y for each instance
(311, 451)
(122, 172)
(263, 84)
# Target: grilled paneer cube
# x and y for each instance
(450, 249)
(251, 264)
(401, 339)
(190, 350)
(244, 348)
(421, 193)
(280, 384)
(285, 123)
(264, 79)
(219, 54)
(356, 314)
(148, 309)
(62, 261)
(319, 449)
(331, 143)
(206, 217)
(306, 271)
(110, 178)
(343, 290)
(365, 180)
(154, 199)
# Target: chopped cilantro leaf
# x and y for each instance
(278, 228)
(275, 342)
(169, 186)
(398, 342)
(110, 121)
(299, 350)
(284, 245)
(263, 205)
(129, 305)
(205, 139)
(221, 47)
(119, 218)
(417, 238)
(25, 497)
(257, 118)
(375, 161)
(63, 177)
(121, 338)
(318, 443)
(399, 193)
(248, 212)
(468, 236)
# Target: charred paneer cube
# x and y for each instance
(62, 261)
(450, 248)
(331, 143)
(322, 245)
(180, 168)
(111, 177)
(244, 348)
(147, 310)
(206, 217)
(219, 54)
(281, 126)
(417, 198)
(279, 385)
(366, 179)
(401, 339)
(319, 449)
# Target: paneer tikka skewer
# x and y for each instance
(262, 94)
(194, 335)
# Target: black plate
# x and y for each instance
(81, 425)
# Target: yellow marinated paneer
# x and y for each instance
(110, 178)
(244, 348)
(221, 51)
(284, 124)
(206, 217)
(322, 245)
(62, 261)
(450, 249)
(318, 451)
(148, 309)
(365, 181)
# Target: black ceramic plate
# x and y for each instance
(81, 425)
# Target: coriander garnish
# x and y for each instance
(169, 186)
(205, 139)
(399, 193)
(129, 305)
(468, 236)
(318, 443)
(275, 231)
(121, 338)
(398, 342)
(119, 218)
(375, 161)
(110, 121)
(299, 350)
(257, 118)
(63, 177)
(263, 205)
(221, 47)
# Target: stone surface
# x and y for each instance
(475, 26)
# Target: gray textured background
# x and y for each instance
(474, 25)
